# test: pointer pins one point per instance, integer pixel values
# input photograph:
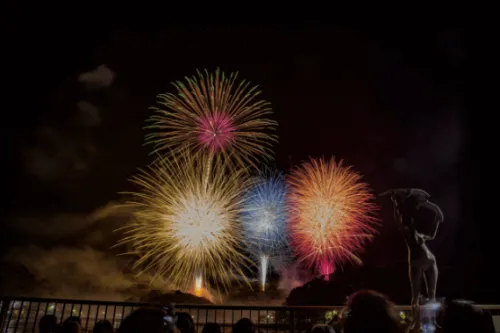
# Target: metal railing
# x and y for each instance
(23, 314)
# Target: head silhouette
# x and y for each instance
(48, 324)
(369, 311)
(73, 319)
(244, 325)
(211, 328)
(70, 327)
(320, 328)
(146, 320)
(103, 326)
(185, 322)
(465, 316)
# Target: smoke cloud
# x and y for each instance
(82, 266)
(88, 114)
(293, 277)
(57, 156)
(100, 78)
(62, 152)
(67, 254)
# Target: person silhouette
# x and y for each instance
(411, 206)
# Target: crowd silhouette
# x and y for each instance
(365, 311)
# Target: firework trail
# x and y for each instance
(183, 226)
(264, 217)
(211, 113)
(331, 214)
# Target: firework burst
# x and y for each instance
(264, 217)
(331, 214)
(184, 228)
(212, 113)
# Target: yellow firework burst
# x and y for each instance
(215, 114)
(184, 227)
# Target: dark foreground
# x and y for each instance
(22, 314)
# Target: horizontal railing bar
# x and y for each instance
(67, 300)
(186, 306)
(207, 306)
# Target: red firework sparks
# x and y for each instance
(331, 216)
(216, 131)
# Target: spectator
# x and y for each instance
(103, 326)
(70, 327)
(48, 324)
(185, 322)
(369, 311)
(211, 328)
(244, 325)
(320, 328)
(463, 316)
(146, 320)
(73, 319)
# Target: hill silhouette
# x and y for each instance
(392, 281)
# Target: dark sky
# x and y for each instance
(389, 101)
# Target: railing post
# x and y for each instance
(292, 320)
(3, 313)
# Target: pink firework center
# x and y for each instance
(326, 268)
(216, 131)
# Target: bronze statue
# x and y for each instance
(411, 206)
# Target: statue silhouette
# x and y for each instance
(412, 206)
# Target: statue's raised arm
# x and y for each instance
(430, 213)
(406, 192)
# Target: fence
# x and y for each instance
(22, 314)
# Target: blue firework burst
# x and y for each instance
(265, 215)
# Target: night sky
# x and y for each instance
(387, 101)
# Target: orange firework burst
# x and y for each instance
(331, 214)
